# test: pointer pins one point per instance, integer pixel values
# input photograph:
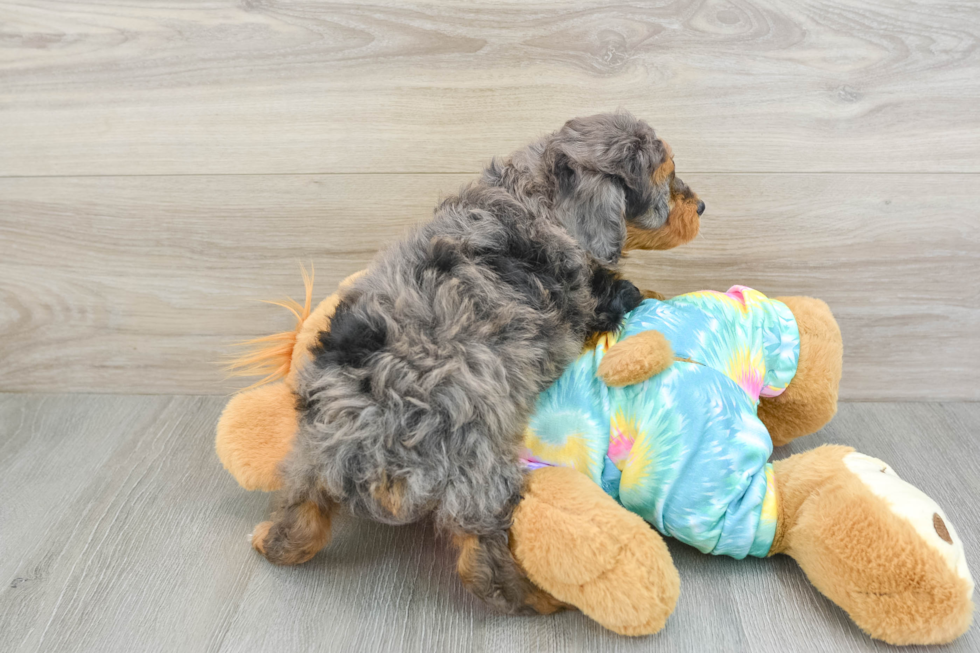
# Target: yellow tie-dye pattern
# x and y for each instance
(727, 300)
(640, 468)
(753, 297)
(770, 508)
(575, 452)
(747, 367)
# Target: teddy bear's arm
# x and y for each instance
(636, 358)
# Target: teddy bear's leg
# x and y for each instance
(586, 550)
(254, 434)
(810, 400)
(875, 545)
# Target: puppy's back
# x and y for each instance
(435, 356)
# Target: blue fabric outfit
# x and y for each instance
(684, 449)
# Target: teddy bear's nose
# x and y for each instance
(700, 207)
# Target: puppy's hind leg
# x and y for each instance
(300, 527)
(489, 571)
(478, 515)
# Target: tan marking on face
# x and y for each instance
(682, 226)
(683, 222)
(665, 169)
(941, 530)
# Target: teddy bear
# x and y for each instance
(669, 422)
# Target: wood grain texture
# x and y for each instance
(119, 531)
(287, 86)
(142, 284)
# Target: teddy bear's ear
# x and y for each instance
(255, 433)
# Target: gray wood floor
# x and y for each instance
(119, 531)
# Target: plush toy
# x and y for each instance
(670, 422)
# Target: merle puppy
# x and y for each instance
(420, 390)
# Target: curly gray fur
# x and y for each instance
(421, 389)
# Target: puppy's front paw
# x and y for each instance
(258, 536)
(627, 295)
(615, 299)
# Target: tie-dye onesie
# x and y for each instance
(684, 449)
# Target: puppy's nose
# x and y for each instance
(700, 207)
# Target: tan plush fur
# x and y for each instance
(862, 556)
(636, 358)
(810, 401)
(583, 548)
(255, 432)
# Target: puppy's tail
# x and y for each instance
(271, 356)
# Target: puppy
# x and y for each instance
(417, 399)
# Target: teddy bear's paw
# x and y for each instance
(916, 507)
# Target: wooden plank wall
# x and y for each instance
(163, 164)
